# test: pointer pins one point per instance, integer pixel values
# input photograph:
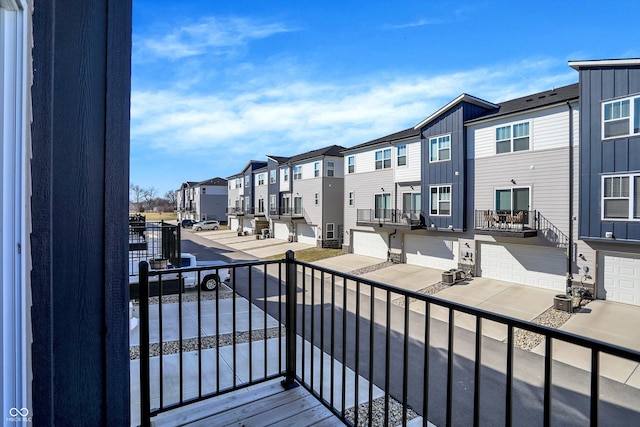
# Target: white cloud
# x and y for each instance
(216, 36)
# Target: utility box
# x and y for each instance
(448, 277)
(563, 302)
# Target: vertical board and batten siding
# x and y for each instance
(332, 204)
(599, 157)
(275, 187)
(444, 173)
(412, 170)
(248, 189)
(80, 169)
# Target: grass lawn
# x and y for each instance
(156, 216)
(311, 254)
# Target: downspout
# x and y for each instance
(570, 248)
(395, 231)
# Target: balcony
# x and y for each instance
(506, 223)
(235, 211)
(287, 212)
(254, 212)
(354, 358)
(395, 218)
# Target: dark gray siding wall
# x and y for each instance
(601, 157)
(451, 172)
(272, 188)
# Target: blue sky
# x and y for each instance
(216, 83)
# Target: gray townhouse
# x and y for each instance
(240, 203)
(203, 200)
(608, 249)
(305, 196)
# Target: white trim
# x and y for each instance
(437, 137)
(576, 65)
(630, 117)
(630, 198)
(438, 186)
(464, 97)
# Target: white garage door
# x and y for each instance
(248, 226)
(281, 230)
(539, 266)
(370, 244)
(233, 224)
(620, 276)
(431, 252)
(306, 233)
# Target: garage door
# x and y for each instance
(370, 244)
(280, 230)
(233, 224)
(620, 275)
(306, 234)
(539, 266)
(431, 252)
(248, 226)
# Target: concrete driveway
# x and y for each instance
(348, 262)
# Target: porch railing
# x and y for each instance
(390, 216)
(356, 343)
(505, 220)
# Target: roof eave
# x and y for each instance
(463, 97)
(576, 65)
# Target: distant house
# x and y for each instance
(240, 198)
(202, 200)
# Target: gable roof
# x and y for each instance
(465, 97)
(332, 150)
(394, 137)
(278, 159)
(217, 181)
(530, 102)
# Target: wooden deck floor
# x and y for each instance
(266, 404)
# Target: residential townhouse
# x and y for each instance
(240, 203)
(203, 200)
(609, 209)
(305, 198)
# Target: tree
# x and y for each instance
(136, 195)
(148, 196)
(171, 197)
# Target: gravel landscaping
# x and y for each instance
(552, 318)
(377, 413)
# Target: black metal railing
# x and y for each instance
(390, 216)
(152, 240)
(505, 220)
(235, 210)
(344, 332)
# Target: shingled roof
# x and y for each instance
(394, 137)
(332, 150)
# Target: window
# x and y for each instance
(238, 183)
(272, 203)
(316, 169)
(617, 117)
(383, 206)
(441, 200)
(330, 168)
(297, 205)
(285, 174)
(351, 200)
(440, 148)
(621, 197)
(330, 227)
(512, 138)
(316, 199)
(402, 155)
(512, 200)
(247, 181)
(272, 176)
(260, 179)
(351, 164)
(383, 159)
(411, 202)
(297, 172)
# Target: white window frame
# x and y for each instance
(247, 181)
(386, 210)
(330, 231)
(632, 197)
(384, 160)
(633, 116)
(261, 179)
(438, 209)
(296, 205)
(435, 153)
(331, 168)
(297, 172)
(272, 176)
(351, 164)
(316, 169)
(272, 203)
(401, 155)
(15, 205)
(512, 138)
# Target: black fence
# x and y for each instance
(368, 350)
(390, 216)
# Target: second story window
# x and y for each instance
(621, 117)
(316, 169)
(621, 197)
(383, 159)
(297, 172)
(260, 179)
(351, 164)
(272, 176)
(440, 148)
(402, 155)
(247, 181)
(285, 174)
(331, 168)
(512, 138)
